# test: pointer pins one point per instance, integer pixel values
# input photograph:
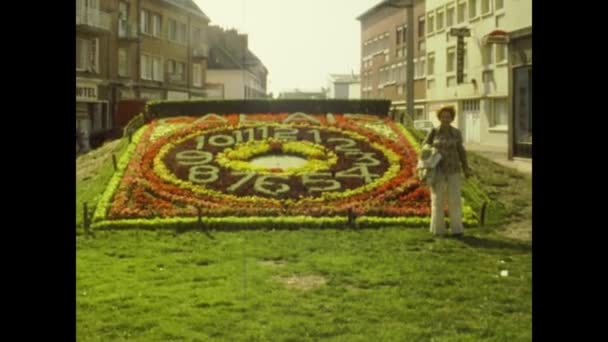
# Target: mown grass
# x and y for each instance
(386, 284)
(381, 284)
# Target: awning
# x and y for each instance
(496, 37)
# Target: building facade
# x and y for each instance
(493, 99)
(93, 36)
(383, 56)
(136, 50)
(343, 86)
(238, 71)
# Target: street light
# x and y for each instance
(409, 4)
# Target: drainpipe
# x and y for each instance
(189, 49)
(137, 86)
(110, 87)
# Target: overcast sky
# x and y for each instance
(299, 41)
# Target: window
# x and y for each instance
(398, 35)
(404, 39)
(500, 115)
(439, 20)
(472, 9)
(197, 35)
(197, 75)
(421, 47)
(177, 31)
(151, 68)
(145, 21)
(499, 4)
(500, 20)
(419, 67)
(421, 26)
(431, 26)
(150, 23)
(462, 12)
(451, 60)
(501, 53)
(87, 51)
(430, 64)
(393, 74)
(449, 16)
(465, 61)
(123, 62)
(486, 7)
(123, 10)
(403, 72)
(156, 25)
(451, 81)
(90, 3)
(419, 114)
(487, 76)
(487, 55)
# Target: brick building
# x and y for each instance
(383, 55)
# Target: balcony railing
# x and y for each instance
(93, 18)
(200, 51)
(127, 30)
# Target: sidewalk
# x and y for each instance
(499, 155)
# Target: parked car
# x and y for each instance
(423, 125)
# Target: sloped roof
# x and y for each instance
(189, 5)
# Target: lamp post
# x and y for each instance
(409, 5)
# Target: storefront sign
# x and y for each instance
(86, 91)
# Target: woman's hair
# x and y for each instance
(449, 109)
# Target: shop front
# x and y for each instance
(521, 73)
(92, 112)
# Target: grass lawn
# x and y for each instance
(391, 284)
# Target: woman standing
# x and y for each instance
(448, 141)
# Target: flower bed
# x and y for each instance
(352, 165)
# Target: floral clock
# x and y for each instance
(267, 170)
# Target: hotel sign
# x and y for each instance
(460, 33)
(86, 91)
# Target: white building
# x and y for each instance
(347, 86)
(233, 71)
(483, 99)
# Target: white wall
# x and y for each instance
(234, 86)
(354, 91)
(516, 14)
(234, 82)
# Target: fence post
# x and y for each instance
(483, 213)
(114, 162)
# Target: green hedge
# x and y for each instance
(163, 109)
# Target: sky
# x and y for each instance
(300, 42)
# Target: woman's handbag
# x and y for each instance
(426, 167)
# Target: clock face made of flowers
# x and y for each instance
(271, 166)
